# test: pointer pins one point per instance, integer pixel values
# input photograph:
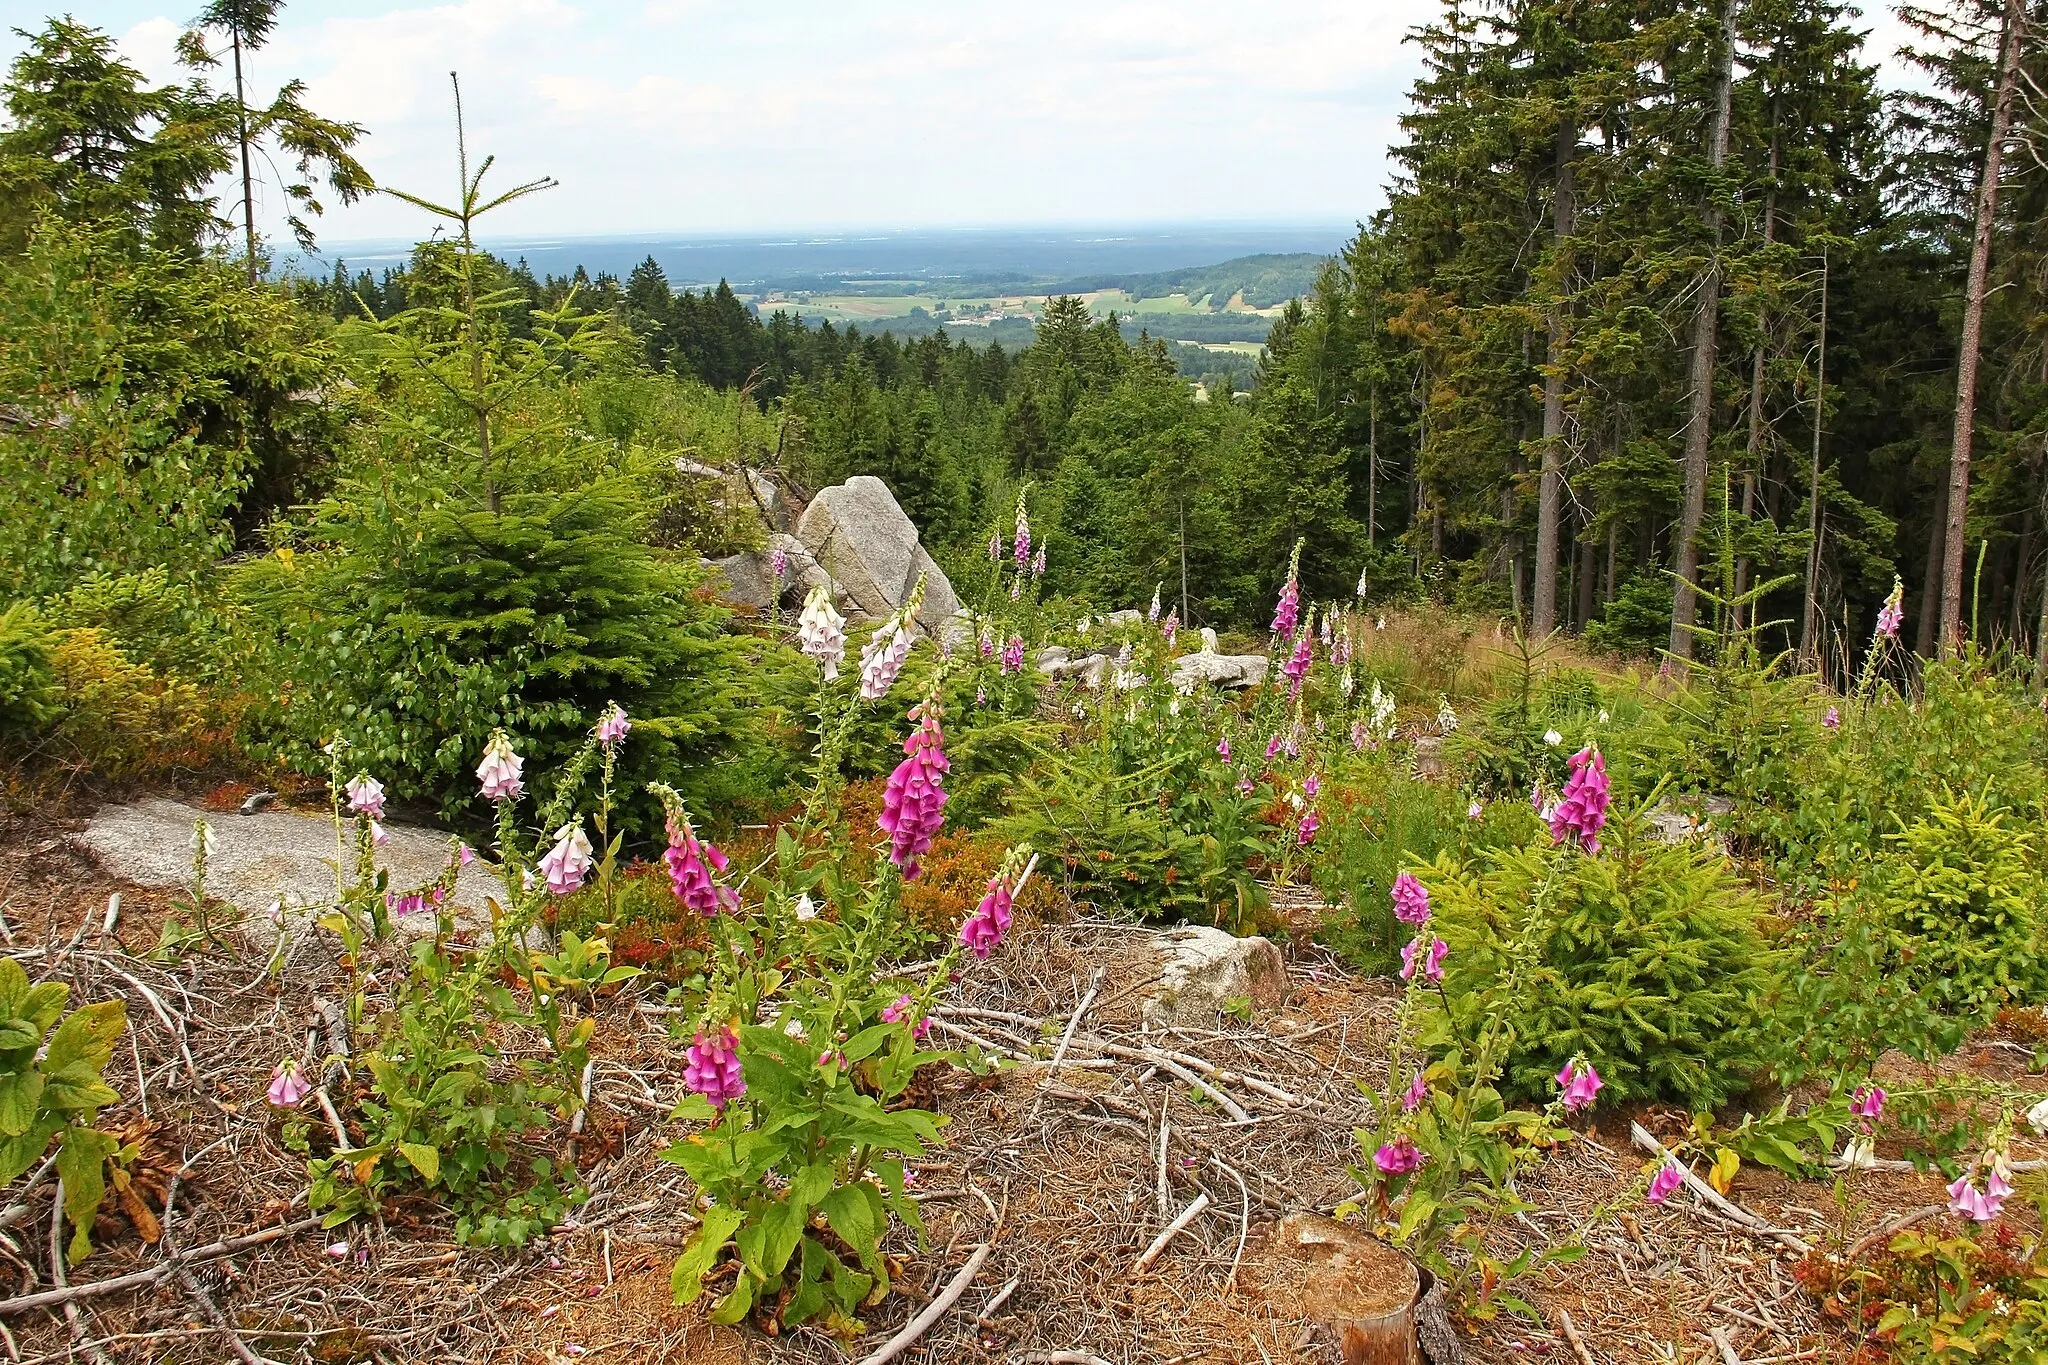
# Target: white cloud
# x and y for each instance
(685, 115)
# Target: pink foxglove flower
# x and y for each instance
(464, 855)
(1223, 748)
(287, 1086)
(1582, 811)
(690, 868)
(984, 929)
(713, 1068)
(569, 861)
(1662, 1184)
(366, 796)
(778, 564)
(1892, 614)
(1152, 612)
(1172, 626)
(498, 773)
(1305, 833)
(1038, 563)
(1013, 655)
(1297, 665)
(1476, 810)
(1832, 719)
(1023, 542)
(821, 631)
(1581, 1083)
(379, 836)
(1411, 899)
(1272, 748)
(897, 1010)
(1414, 1095)
(1358, 736)
(612, 726)
(1965, 1200)
(1312, 786)
(1868, 1102)
(1431, 962)
(1397, 1157)
(995, 547)
(913, 804)
(1287, 612)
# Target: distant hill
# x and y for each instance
(1265, 280)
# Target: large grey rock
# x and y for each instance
(1205, 971)
(861, 536)
(1129, 616)
(1218, 670)
(270, 857)
(750, 576)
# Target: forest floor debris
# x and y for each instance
(1222, 1129)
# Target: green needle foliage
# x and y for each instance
(1652, 967)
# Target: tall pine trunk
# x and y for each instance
(1953, 546)
(1705, 329)
(1550, 483)
(242, 136)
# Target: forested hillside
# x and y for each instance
(549, 814)
(1644, 284)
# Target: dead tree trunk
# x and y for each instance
(1953, 546)
(1550, 483)
(1705, 329)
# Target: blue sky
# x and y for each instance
(691, 116)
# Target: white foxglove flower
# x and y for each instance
(498, 773)
(569, 861)
(2037, 1118)
(1552, 738)
(204, 841)
(821, 631)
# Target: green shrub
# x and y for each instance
(416, 622)
(1382, 819)
(1652, 966)
(27, 684)
(1962, 894)
(1637, 620)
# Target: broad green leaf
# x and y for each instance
(426, 1160)
(20, 1094)
(701, 1252)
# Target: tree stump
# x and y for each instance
(1360, 1288)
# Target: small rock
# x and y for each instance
(1218, 670)
(1428, 751)
(1205, 971)
(256, 801)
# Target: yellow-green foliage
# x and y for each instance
(1652, 965)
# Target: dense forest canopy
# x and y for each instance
(1667, 309)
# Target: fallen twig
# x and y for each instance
(142, 1279)
(1171, 1231)
(72, 1317)
(1066, 1041)
(1244, 1218)
(933, 1311)
(1643, 1138)
(1725, 1346)
(1885, 1230)
(1571, 1334)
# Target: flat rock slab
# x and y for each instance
(1205, 971)
(271, 856)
